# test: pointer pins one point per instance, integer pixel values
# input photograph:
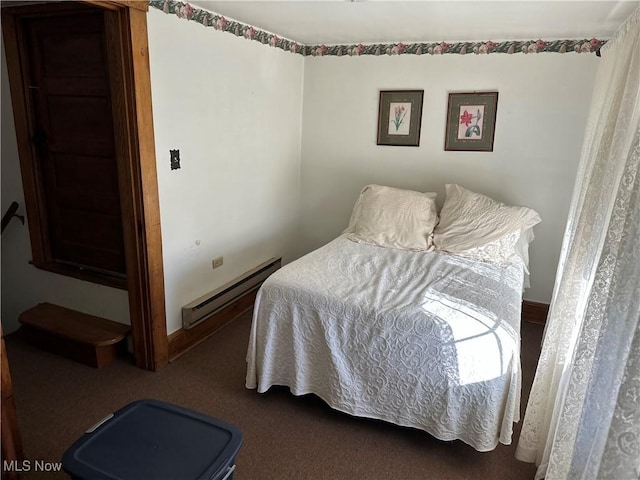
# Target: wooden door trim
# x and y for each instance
(22, 120)
(140, 204)
(117, 4)
(127, 33)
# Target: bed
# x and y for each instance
(419, 337)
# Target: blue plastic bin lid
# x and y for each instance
(153, 440)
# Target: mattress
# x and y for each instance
(421, 339)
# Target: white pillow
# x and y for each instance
(394, 218)
(483, 228)
(501, 250)
(512, 249)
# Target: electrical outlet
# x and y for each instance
(217, 262)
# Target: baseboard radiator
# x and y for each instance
(207, 305)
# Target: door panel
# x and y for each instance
(80, 125)
(74, 140)
(87, 60)
(70, 173)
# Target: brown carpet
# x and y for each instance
(285, 437)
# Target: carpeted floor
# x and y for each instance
(285, 437)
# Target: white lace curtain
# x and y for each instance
(583, 416)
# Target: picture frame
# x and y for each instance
(471, 121)
(400, 117)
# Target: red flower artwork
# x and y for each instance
(466, 118)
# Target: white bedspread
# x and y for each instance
(419, 339)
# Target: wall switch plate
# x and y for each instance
(217, 262)
(175, 159)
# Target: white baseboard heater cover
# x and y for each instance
(202, 308)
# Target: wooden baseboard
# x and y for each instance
(535, 312)
(183, 340)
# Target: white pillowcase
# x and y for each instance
(502, 250)
(394, 218)
(478, 227)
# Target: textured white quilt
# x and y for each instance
(420, 339)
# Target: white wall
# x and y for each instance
(542, 108)
(23, 285)
(233, 108)
(248, 192)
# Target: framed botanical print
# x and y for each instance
(471, 121)
(399, 117)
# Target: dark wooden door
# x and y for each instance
(73, 139)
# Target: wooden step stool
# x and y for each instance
(85, 338)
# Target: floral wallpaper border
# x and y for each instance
(219, 22)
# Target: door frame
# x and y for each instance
(127, 47)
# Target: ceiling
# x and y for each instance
(350, 22)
